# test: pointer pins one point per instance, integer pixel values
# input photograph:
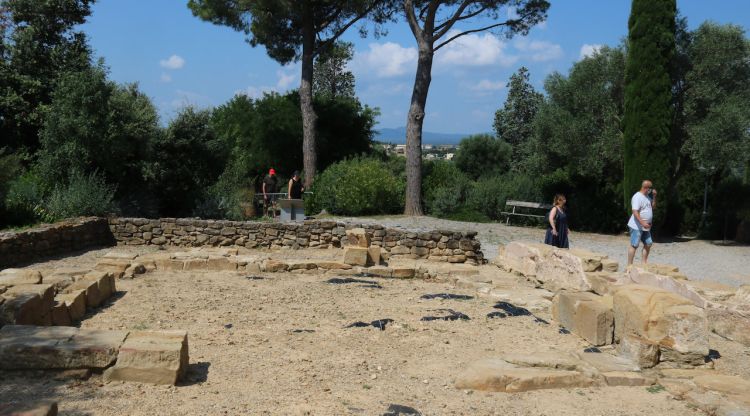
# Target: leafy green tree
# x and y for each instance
(38, 45)
(483, 155)
(513, 122)
(93, 124)
(294, 31)
(431, 22)
(187, 159)
(718, 99)
(648, 97)
(332, 79)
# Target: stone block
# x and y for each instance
(76, 303)
(603, 283)
(379, 271)
(220, 263)
(355, 256)
(274, 266)
(29, 409)
(112, 265)
(501, 376)
(25, 347)
(644, 276)
(302, 265)
(90, 288)
(400, 250)
(604, 362)
(556, 269)
(730, 324)
(60, 314)
(457, 258)
(120, 255)
(403, 272)
(45, 291)
(194, 264)
(105, 282)
(151, 357)
(664, 318)
(12, 277)
(23, 309)
(590, 261)
(641, 351)
(60, 281)
(627, 378)
(332, 265)
(373, 256)
(357, 237)
(585, 314)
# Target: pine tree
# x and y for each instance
(513, 122)
(648, 98)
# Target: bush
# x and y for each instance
(489, 194)
(360, 186)
(83, 195)
(24, 200)
(444, 188)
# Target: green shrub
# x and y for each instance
(489, 194)
(24, 200)
(83, 195)
(444, 188)
(483, 155)
(360, 186)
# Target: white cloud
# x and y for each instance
(474, 50)
(487, 85)
(286, 78)
(165, 77)
(386, 60)
(256, 92)
(539, 50)
(589, 50)
(173, 62)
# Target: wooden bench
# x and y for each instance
(524, 204)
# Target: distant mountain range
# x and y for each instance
(398, 136)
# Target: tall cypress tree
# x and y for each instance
(648, 98)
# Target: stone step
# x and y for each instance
(151, 357)
(501, 376)
(24, 347)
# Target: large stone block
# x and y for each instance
(152, 357)
(60, 314)
(664, 318)
(105, 282)
(45, 291)
(12, 277)
(90, 288)
(23, 309)
(586, 314)
(645, 276)
(273, 266)
(604, 283)
(332, 265)
(638, 350)
(220, 263)
(31, 347)
(556, 269)
(730, 324)
(355, 256)
(590, 261)
(76, 303)
(373, 256)
(29, 409)
(357, 237)
(499, 375)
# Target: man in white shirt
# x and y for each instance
(642, 204)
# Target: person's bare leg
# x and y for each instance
(631, 254)
(646, 250)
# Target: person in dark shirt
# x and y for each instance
(295, 188)
(270, 185)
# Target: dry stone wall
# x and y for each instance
(442, 245)
(20, 247)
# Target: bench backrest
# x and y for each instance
(525, 204)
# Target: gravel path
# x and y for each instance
(698, 259)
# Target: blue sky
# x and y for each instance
(180, 60)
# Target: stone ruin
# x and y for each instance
(646, 325)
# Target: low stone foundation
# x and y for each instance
(20, 247)
(441, 245)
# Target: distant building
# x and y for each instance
(400, 148)
(449, 156)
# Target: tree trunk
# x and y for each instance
(309, 118)
(414, 122)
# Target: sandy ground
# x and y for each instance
(279, 345)
(698, 259)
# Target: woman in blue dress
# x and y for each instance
(557, 230)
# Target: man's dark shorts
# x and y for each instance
(636, 236)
